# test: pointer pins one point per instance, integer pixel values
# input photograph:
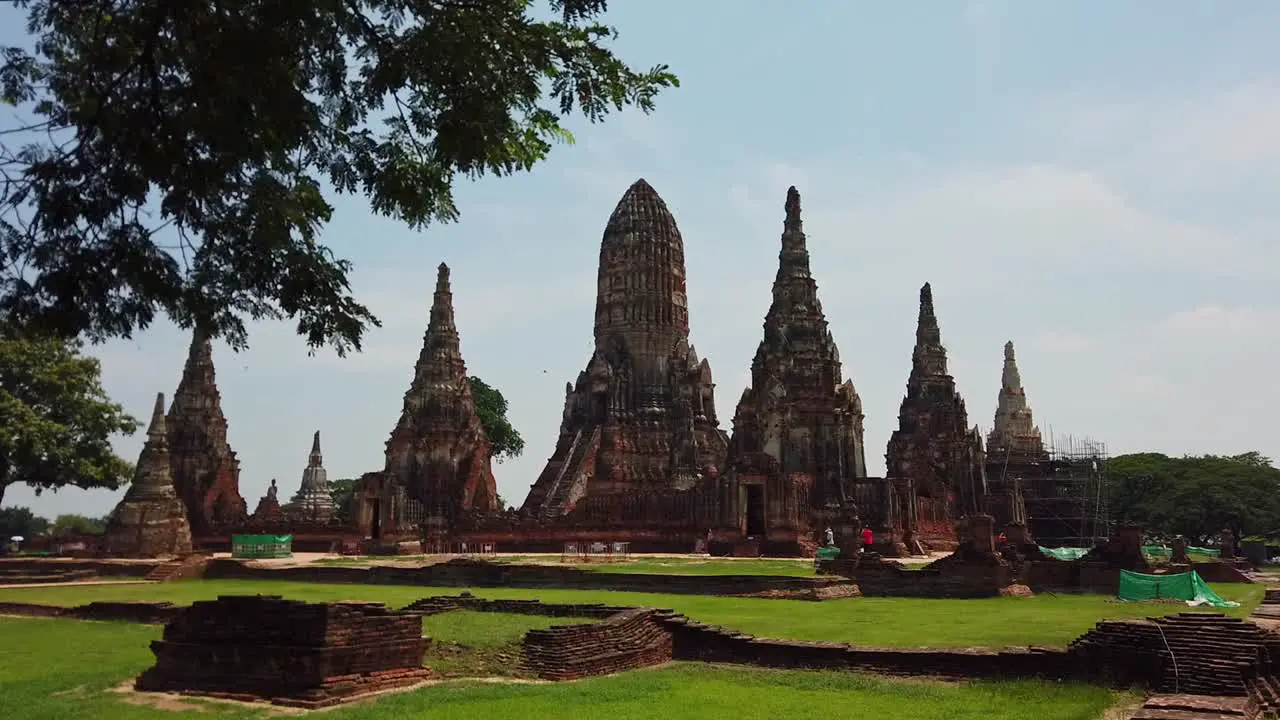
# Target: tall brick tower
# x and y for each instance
(641, 416)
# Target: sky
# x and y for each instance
(1095, 181)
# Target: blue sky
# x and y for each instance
(1094, 180)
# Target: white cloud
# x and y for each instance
(1243, 325)
(1190, 141)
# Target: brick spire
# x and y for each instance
(438, 454)
(150, 521)
(316, 458)
(641, 282)
(206, 472)
(927, 331)
(793, 258)
(796, 382)
(1014, 430)
(441, 356)
(152, 477)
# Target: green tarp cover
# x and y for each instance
(1066, 553)
(1188, 587)
(1162, 550)
(261, 539)
(825, 553)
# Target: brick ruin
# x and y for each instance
(316, 655)
(797, 442)
(291, 653)
(641, 417)
(640, 456)
(206, 472)
(150, 521)
(934, 458)
(438, 458)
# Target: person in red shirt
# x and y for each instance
(868, 537)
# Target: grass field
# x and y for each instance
(478, 644)
(660, 565)
(894, 622)
(60, 669)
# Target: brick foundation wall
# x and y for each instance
(472, 573)
(287, 651)
(19, 577)
(52, 566)
(1204, 653)
(877, 578)
(697, 641)
(139, 612)
(628, 640)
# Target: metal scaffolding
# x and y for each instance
(1066, 501)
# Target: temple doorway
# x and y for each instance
(755, 510)
(375, 523)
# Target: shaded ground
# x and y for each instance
(60, 669)
(894, 622)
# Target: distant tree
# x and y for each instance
(78, 525)
(491, 406)
(221, 123)
(1196, 497)
(21, 521)
(343, 492)
(56, 421)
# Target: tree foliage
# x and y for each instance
(343, 492)
(72, 524)
(491, 406)
(1196, 497)
(22, 522)
(56, 421)
(178, 153)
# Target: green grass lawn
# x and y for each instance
(478, 644)
(800, 567)
(61, 669)
(895, 622)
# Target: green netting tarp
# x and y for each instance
(261, 546)
(1188, 587)
(1211, 552)
(1160, 550)
(826, 553)
(1065, 553)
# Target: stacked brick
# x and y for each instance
(629, 640)
(1195, 653)
(289, 652)
(706, 643)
